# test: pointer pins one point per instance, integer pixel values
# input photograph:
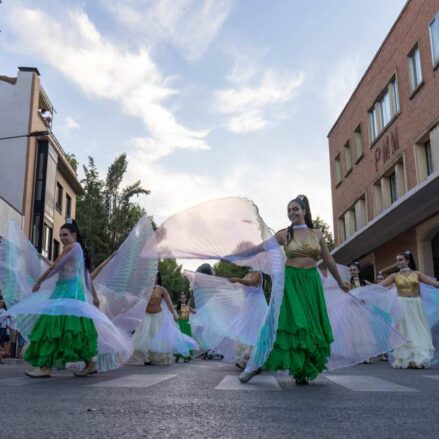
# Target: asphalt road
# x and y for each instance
(203, 399)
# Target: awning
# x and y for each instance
(414, 207)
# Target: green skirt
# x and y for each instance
(185, 328)
(304, 333)
(56, 340)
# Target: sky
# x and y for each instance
(208, 98)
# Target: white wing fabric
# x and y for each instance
(386, 302)
(125, 283)
(63, 293)
(229, 229)
(360, 333)
(227, 313)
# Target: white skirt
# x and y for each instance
(413, 325)
(149, 328)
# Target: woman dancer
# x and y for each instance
(418, 352)
(183, 312)
(58, 320)
(158, 337)
(304, 333)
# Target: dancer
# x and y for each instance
(183, 312)
(230, 313)
(304, 334)
(158, 337)
(418, 352)
(57, 320)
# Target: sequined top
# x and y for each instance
(184, 312)
(407, 285)
(309, 248)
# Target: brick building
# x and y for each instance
(384, 151)
(38, 186)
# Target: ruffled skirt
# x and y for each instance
(186, 329)
(304, 333)
(413, 325)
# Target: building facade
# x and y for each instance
(384, 151)
(38, 186)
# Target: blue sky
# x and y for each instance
(208, 98)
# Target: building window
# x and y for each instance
(428, 158)
(393, 188)
(353, 219)
(384, 109)
(347, 158)
(56, 249)
(47, 241)
(59, 197)
(434, 39)
(358, 144)
(337, 170)
(68, 206)
(415, 69)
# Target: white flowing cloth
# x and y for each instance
(228, 314)
(63, 293)
(158, 338)
(416, 318)
(231, 229)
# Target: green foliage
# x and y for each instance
(105, 212)
(319, 223)
(71, 158)
(173, 278)
(227, 269)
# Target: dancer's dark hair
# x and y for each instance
(205, 269)
(72, 227)
(158, 279)
(303, 202)
(407, 255)
(360, 278)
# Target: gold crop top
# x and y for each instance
(184, 312)
(309, 248)
(407, 284)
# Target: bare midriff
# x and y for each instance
(153, 306)
(300, 262)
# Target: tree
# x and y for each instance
(227, 269)
(319, 223)
(71, 158)
(173, 278)
(105, 212)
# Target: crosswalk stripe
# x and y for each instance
(261, 382)
(135, 380)
(363, 383)
(24, 380)
(432, 377)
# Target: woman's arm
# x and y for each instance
(388, 280)
(52, 268)
(252, 279)
(168, 301)
(428, 280)
(330, 263)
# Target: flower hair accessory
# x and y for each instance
(69, 221)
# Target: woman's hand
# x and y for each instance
(344, 286)
(36, 287)
(96, 302)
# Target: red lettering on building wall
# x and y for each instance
(388, 147)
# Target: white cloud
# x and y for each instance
(250, 104)
(68, 124)
(189, 25)
(72, 44)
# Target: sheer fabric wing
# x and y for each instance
(125, 283)
(229, 229)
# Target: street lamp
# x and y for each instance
(32, 134)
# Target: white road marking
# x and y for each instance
(363, 383)
(136, 380)
(432, 377)
(261, 382)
